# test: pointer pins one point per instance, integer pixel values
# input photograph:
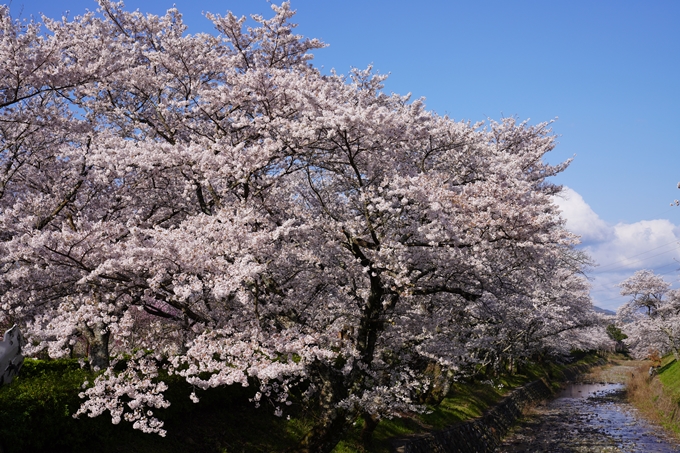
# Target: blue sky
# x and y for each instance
(608, 70)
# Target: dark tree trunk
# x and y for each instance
(326, 434)
(98, 346)
(441, 384)
(333, 422)
(370, 424)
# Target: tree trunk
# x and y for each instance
(98, 346)
(370, 423)
(620, 347)
(326, 434)
(333, 422)
(441, 383)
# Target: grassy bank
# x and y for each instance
(35, 416)
(658, 397)
(465, 401)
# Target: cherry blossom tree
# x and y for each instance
(651, 318)
(646, 290)
(216, 207)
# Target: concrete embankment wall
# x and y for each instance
(484, 434)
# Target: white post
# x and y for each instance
(10, 355)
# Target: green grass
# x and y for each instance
(43, 396)
(669, 375)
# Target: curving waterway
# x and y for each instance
(588, 418)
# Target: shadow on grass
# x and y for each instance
(35, 416)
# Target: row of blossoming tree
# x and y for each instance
(215, 207)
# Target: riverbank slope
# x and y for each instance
(657, 397)
(485, 433)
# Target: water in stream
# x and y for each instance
(588, 418)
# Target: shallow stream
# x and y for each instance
(588, 418)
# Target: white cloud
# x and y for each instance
(620, 250)
(581, 219)
(647, 243)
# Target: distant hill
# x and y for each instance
(605, 311)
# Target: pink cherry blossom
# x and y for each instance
(244, 219)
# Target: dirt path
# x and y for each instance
(590, 417)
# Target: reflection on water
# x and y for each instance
(586, 390)
(588, 418)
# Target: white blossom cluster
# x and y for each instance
(128, 395)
